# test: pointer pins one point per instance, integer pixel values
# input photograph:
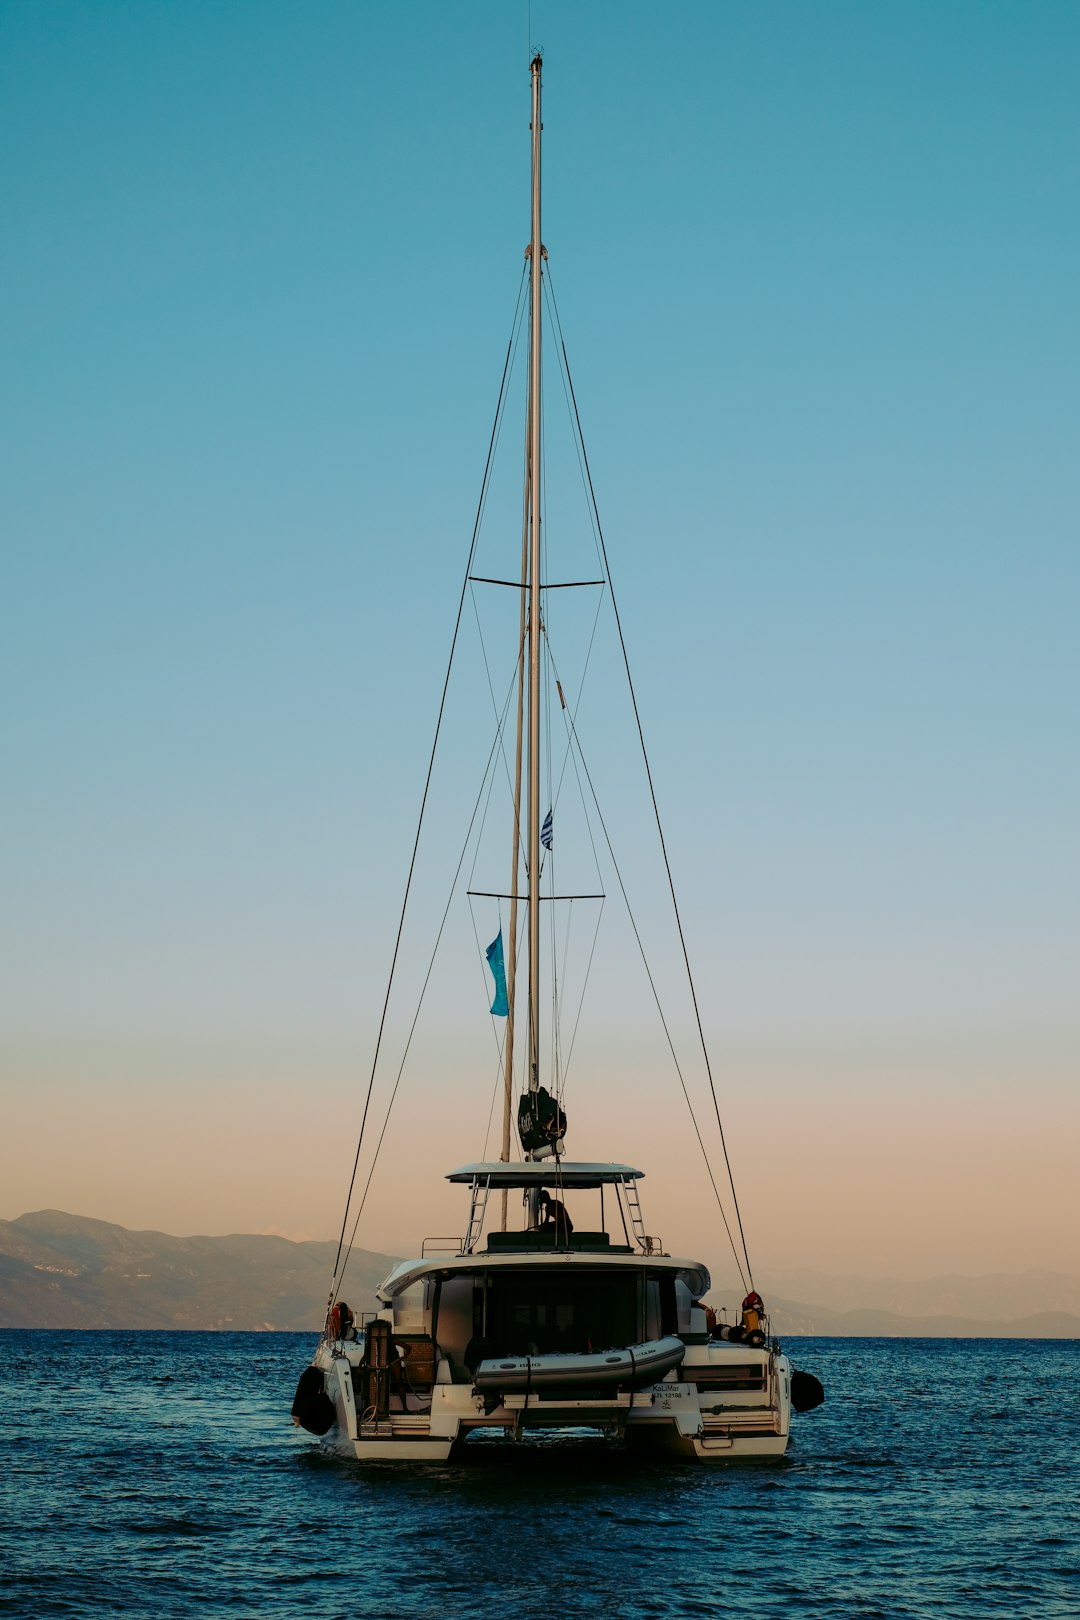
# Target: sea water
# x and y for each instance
(159, 1474)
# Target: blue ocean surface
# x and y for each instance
(159, 1474)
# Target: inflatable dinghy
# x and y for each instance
(636, 1365)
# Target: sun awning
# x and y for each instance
(546, 1173)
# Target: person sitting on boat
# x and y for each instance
(553, 1216)
(708, 1313)
(342, 1322)
(753, 1316)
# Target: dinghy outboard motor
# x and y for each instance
(312, 1408)
(806, 1391)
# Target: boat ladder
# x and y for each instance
(477, 1207)
(637, 1222)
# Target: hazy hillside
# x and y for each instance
(59, 1270)
(792, 1317)
(996, 1297)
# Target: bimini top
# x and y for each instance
(546, 1173)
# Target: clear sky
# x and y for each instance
(817, 269)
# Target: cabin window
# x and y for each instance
(669, 1311)
(533, 1313)
(409, 1307)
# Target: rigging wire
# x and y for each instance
(555, 788)
(548, 862)
(491, 690)
(593, 516)
(581, 999)
(500, 725)
(416, 1015)
(500, 730)
(427, 786)
(652, 793)
(519, 320)
(569, 717)
(664, 1024)
(481, 956)
(500, 1078)
(568, 756)
(575, 752)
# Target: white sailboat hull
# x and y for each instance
(725, 1404)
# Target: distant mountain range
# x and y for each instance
(791, 1317)
(68, 1271)
(1023, 1305)
(997, 1297)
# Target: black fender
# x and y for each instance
(312, 1407)
(806, 1391)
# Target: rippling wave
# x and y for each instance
(158, 1474)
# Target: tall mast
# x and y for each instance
(535, 271)
(515, 863)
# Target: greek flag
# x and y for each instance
(494, 953)
(546, 831)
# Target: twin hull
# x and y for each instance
(436, 1366)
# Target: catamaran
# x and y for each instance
(550, 1328)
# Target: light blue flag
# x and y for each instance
(494, 953)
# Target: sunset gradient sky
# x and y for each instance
(817, 270)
